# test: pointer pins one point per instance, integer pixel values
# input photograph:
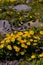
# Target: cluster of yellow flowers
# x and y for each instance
(18, 41)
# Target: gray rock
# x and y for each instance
(15, 62)
(22, 7)
(9, 63)
(36, 24)
(4, 27)
(23, 27)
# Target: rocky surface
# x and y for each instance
(36, 24)
(4, 27)
(22, 7)
(26, 26)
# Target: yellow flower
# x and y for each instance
(33, 56)
(30, 16)
(9, 38)
(20, 33)
(28, 35)
(17, 49)
(41, 32)
(31, 40)
(22, 53)
(12, 39)
(7, 41)
(12, 34)
(19, 38)
(9, 47)
(34, 44)
(41, 55)
(28, 43)
(23, 45)
(1, 46)
(24, 35)
(26, 32)
(35, 40)
(31, 32)
(2, 41)
(21, 41)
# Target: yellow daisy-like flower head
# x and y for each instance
(7, 41)
(33, 56)
(24, 41)
(12, 34)
(31, 32)
(34, 44)
(41, 32)
(2, 41)
(35, 40)
(31, 40)
(23, 45)
(30, 16)
(28, 43)
(20, 33)
(17, 49)
(19, 38)
(9, 47)
(22, 53)
(1, 46)
(41, 55)
(13, 39)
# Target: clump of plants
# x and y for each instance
(18, 45)
(10, 14)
